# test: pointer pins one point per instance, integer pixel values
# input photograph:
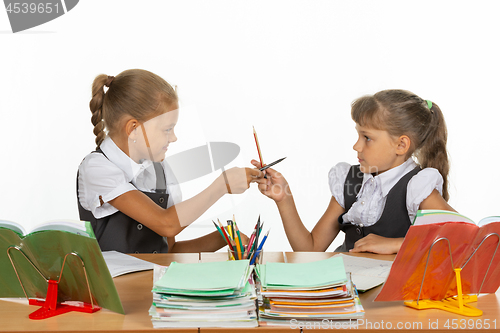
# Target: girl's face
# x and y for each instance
(154, 136)
(377, 150)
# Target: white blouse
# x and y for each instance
(110, 176)
(373, 193)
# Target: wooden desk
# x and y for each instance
(222, 256)
(397, 316)
(135, 293)
(388, 315)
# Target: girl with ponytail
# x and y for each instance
(125, 188)
(403, 167)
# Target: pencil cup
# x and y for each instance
(237, 255)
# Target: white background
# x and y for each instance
(290, 68)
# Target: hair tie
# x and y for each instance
(110, 79)
(429, 105)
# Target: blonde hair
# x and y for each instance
(137, 93)
(400, 112)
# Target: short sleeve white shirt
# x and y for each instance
(371, 198)
(108, 177)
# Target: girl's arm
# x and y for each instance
(324, 232)
(208, 243)
(383, 245)
(378, 244)
(435, 201)
(169, 222)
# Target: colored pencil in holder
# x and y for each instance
(259, 249)
(250, 245)
(224, 235)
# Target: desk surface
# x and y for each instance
(135, 292)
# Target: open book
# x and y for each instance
(42, 251)
(431, 216)
(75, 227)
(473, 248)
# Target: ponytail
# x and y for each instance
(95, 104)
(432, 152)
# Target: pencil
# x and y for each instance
(257, 235)
(225, 235)
(240, 243)
(250, 244)
(234, 226)
(271, 164)
(258, 147)
(238, 235)
(233, 230)
(260, 248)
(229, 229)
(238, 248)
(220, 231)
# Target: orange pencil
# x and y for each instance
(258, 147)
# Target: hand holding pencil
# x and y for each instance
(275, 186)
(237, 180)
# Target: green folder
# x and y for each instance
(46, 249)
(209, 279)
(303, 275)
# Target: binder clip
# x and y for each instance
(456, 304)
(50, 307)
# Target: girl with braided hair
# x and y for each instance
(375, 202)
(125, 188)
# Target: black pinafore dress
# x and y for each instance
(394, 221)
(121, 233)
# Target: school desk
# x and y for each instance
(135, 292)
(387, 316)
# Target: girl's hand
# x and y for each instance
(274, 186)
(238, 180)
(378, 244)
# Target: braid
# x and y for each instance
(96, 108)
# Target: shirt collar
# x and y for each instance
(390, 177)
(131, 169)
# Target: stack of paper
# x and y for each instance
(120, 263)
(366, 273)
(212, 294)
(314, 291)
